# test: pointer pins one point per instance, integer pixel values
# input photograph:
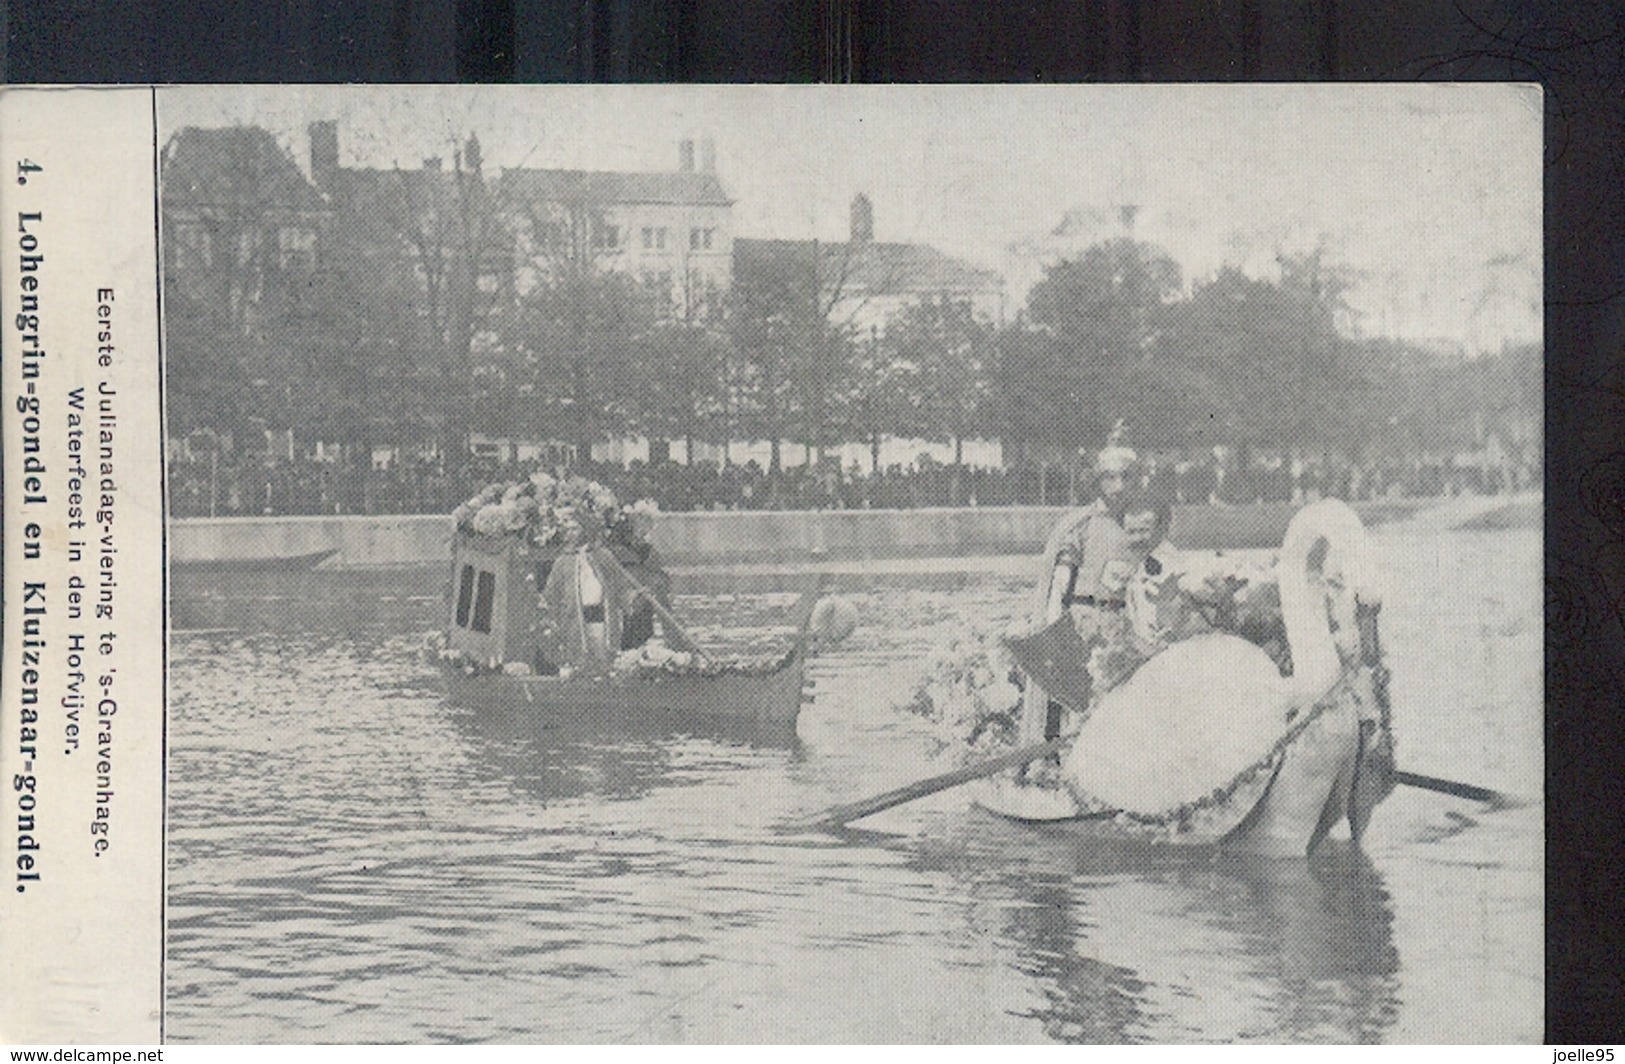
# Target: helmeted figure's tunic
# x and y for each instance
(1076, 559)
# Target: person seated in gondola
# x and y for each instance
(1155, 604)
(642, 576)
(577, 625)
(600, 602)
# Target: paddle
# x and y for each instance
(841, 815)
(837, 816)
(676, 634)
(1057, 653)
(1458, 790)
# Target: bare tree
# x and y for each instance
(797, 316)
(457, 253)
(578, 326)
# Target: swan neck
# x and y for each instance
(1315, 663)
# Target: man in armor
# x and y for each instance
(1073, 569)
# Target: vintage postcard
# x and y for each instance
(772, 564)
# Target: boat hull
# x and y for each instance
(646, 701)
(1289, 807)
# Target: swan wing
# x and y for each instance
(1185, 724)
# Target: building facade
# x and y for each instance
(240, 222)
(672, 230)
(866, 283)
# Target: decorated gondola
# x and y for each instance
(559, 604)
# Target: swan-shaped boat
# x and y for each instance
(1208, 741)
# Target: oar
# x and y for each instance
(1456, 790)
(674, 627)
(836, 816)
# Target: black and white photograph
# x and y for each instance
(959, 564)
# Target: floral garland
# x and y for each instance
(1181, 818)
(1220, 795)
(971, 690)
(654, 659)
(549, 511)
(651, 661)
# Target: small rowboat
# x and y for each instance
(499, 642)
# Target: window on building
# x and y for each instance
(609, 237)
(247, 248)
(189, 246)
(296, 248)
(700, 239)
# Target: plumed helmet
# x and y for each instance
(1117, 456)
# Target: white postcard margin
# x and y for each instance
(82, 753)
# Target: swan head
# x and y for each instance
(1326, 542)
(1329, 536)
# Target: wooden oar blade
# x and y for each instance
(1495, 799)
(840, 815)
(1058, 660)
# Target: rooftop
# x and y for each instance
(871, 266)
(681, 188)
(239, 166)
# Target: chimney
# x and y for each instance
(472, 154)
(708, 156)
(324, 152)
(863, 219)
(685, 156)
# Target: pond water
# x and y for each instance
(354, 858)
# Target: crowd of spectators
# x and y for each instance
(259, 484)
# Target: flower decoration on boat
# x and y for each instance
(549, 511)
(1191, 594)
(653, 655)
(655, 658)
(971, 691)
(1115, 652)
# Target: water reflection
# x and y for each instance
(570, 756)
(393, 600)
(1129, 942)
